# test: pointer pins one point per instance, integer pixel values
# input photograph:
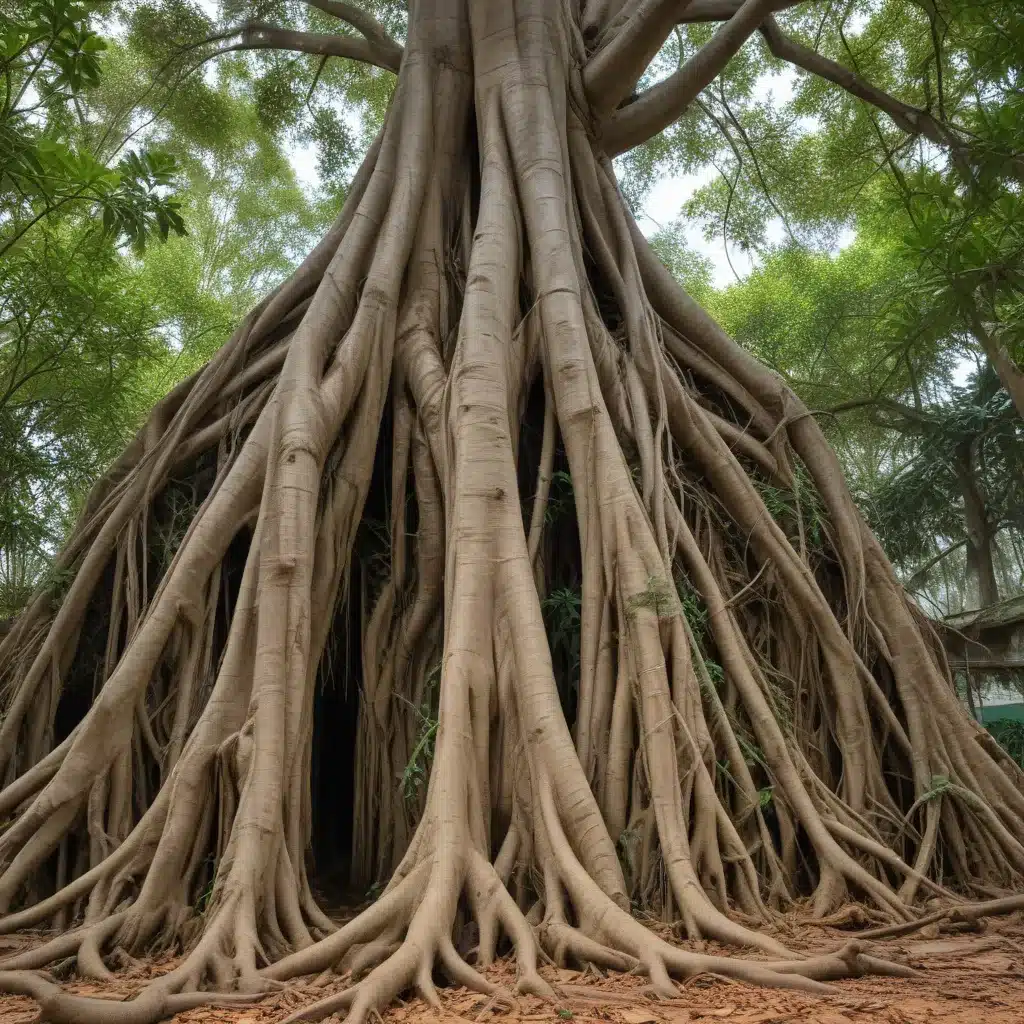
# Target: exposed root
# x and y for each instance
(962, 913)
(59, 1007)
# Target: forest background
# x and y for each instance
(162, 166)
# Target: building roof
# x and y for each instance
(995, 616)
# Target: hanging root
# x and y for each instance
(625, 642)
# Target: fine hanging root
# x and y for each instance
(627, 642)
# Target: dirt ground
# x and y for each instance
(972, 978)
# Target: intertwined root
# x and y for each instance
(758, 716)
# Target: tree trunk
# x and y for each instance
(483, 321)
(1009, 373)
(980, 535)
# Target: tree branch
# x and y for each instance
(1006, 369)
(370, 28)
(912, 120)
(919, 574)
(909, 119)
(598, 15)
(269, 37)
(906, 412)
(614, 70)
(752, 150)
(665, 102)
(720, 10)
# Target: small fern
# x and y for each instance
(693, 608)
(417, 769)
(560, 497)
(1009, 734)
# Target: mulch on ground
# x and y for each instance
(971, 978)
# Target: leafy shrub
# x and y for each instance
(1009, 734)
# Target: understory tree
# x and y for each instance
(935, 466)
(481, 405)
(99, 313)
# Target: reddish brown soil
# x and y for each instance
(973, 978)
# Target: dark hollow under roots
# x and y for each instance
(482, 536)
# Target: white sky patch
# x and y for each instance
(665, 203)
(303, 160)
(211, 8)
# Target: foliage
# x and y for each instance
(877, 331)
(691, 269)
(79, 347)
(693, 607)
(417, 769)
(96, 325)
(561, 611)
(49, 57)
(888, 271)
(1009, 734)
(560, 497)
(920, 499)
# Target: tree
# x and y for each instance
(96, 326)
(757, 714)
(957, 486)
(934, 466)
(934, 276)
(72, 338)
(74, 344)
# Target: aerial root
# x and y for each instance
(563, 941)
(590, 406)
(370, 955)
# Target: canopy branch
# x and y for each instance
(921, 574)
(614, 70)
(912, 120)
(269, 37)
(911, 418)
(655, 109)
(370, 28)
(720, 10)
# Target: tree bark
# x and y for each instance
(1009, 373)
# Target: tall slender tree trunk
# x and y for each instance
(1010, 375)
(977, 522)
